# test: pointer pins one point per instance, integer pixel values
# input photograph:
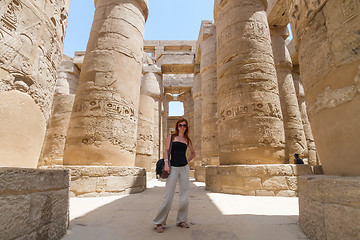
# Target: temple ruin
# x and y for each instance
(94, 125)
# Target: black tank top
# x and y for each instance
(178, 154)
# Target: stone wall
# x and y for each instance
(256, 180)
(34, 204)
(330, 207)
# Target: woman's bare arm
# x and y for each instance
(192, 155)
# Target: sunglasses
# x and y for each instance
(182, 125)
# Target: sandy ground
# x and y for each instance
(211, 216)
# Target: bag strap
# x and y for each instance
(169, 151)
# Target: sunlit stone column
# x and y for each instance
(330, 73)
(31, 42)
(295, 141)
(313, 159)
(209, 143)
(103, 125)
(189, 115)
(251, 129)
(196, 138)
(150, 91)
(54, 144)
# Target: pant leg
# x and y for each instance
(184, 194)
(165, 206)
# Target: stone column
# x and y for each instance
(295, 141)
(313, 160)
(31, 42)
(54, 144)
(196, 138)
(330, 73)
(150, 91)
(103, 125)
(209, 142)
(189, 115)
(251, 129)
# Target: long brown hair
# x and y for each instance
(186, 133)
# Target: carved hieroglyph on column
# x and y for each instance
(196, 139)
(31, 42)
(295, 141)
(103, 125)
(209, 143)
(313, 159)
(330, 73)
(250, 120)
(150, 90)
(54, 144)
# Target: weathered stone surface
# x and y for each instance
(250, 120)
(34, 204)
(200, 174)
(22, 130)
(295, 141)
(176, 63)
(207, 59)
(277, 13)
(329, 207)
(196, 139)
(329, 67)
(94, 181)
(260, 180)
(54, 143)
(103, 125)
(31, 41)
(300, 93)
(149, 91)
(23, 180)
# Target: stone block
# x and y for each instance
(341, 222)
(301, 169)
(200, 174)
(83, 185)
(311, 218)
(275, 183)
(251, 183)
(34, 210)
(251, 170)
(23, 180)
(280, 169)
(292, 183)
(232, 181)
(329, 207)
(286, 193)
(243, 192)
(92, 181)
(264, 193)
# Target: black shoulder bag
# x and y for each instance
(160, 165)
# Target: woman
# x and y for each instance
(179, 170)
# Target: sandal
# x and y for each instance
(183, 224)
(159, 228)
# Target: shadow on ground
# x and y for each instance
(211, 216)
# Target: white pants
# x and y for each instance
(181, 174)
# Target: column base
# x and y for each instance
(34, 203)
(329, 207)
(279, 180)
(99, 181)
(200, 174)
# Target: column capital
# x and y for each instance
(144, 4)
(280, 30)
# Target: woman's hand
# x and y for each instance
(167, 167)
